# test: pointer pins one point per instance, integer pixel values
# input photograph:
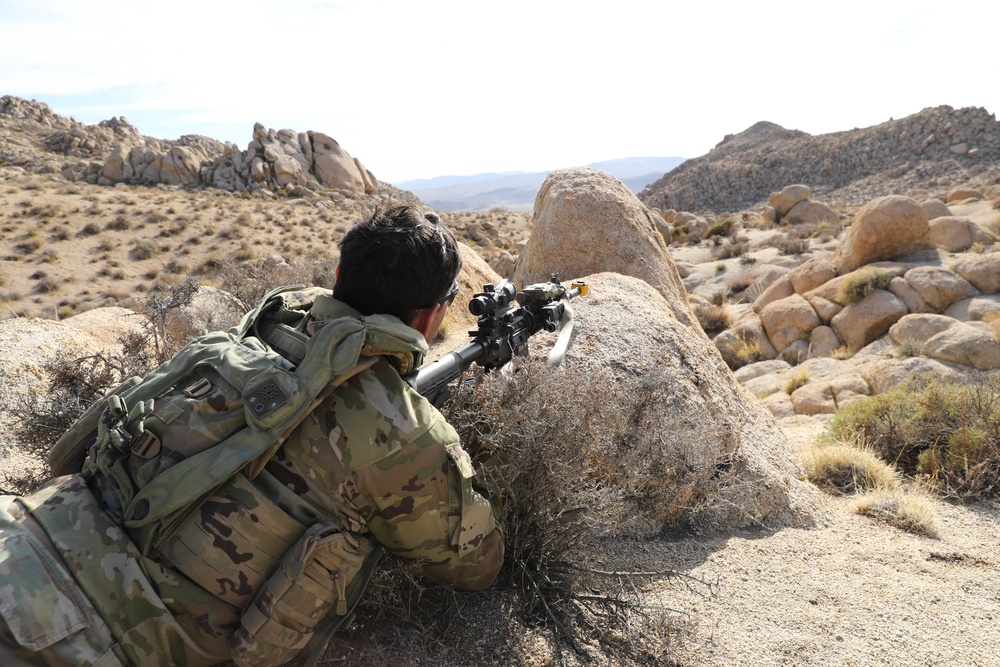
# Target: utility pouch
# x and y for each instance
(67, 454)
(310, 582)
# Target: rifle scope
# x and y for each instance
(492, 298)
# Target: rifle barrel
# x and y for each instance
(441, 371)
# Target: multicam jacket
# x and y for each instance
(374, 460)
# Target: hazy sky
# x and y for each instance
(420, 89)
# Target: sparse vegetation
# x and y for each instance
(787, 244)
(946, 434)
(862, 284)
(846, 469)
(744, 352)
(713, 318)
(798, 379)
(905, 509)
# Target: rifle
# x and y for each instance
(507, 319)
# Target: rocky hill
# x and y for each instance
(114, 151)
(917, 155)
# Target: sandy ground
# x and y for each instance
(855, 592)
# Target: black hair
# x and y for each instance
(397, 262)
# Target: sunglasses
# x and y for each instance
(450, 296)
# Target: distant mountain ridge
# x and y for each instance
(516, 190)
(917, 155)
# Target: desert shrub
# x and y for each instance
(906, 509)
(863, 283)
(799, 379)
(568, 478)
(30, 244)
(157, 304)
(945, 433)
(712, 317)
(788, 244)
(846, 469)
(732, 249)
(40, 418)
(143, 250)
(721, 228)
(119, 224)
(841, 353)
(89, 229)
(744, 352)
(250, 281)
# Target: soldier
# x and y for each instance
(270, 563)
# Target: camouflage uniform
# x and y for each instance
(374, 463)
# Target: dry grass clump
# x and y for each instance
(906, 509)
(797, 380)
(845, 469)
(862, 284)
(790, 244)
(713, 318)
(742, 352)
(947, 434)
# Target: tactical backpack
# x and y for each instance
(202, 426)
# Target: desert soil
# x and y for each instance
(854, 592)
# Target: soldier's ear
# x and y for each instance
(426, 321)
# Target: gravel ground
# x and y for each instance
(856, 592)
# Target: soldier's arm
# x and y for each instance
(423, 506)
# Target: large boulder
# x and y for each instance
(939, 287)
(788, 320)
(782, 202)
(458, 321)
(884, 375)
(934, 208)
(982, 308)
(586, 221)
(956, 234)
(982, 271)
(333, 166)
(884, 229)
(811, 212)
(735, 467)
(972, 344)
(917, 328)
(861, 322)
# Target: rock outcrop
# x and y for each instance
(586, 221)
(737, 467)
(936, 146)
(114, 151)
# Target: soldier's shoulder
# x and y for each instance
(380, 414)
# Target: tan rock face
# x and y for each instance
(788, 320)
(982, 271)
(888, 374)
(967, 344)
(782, 202)
(811, 212)
(862, 322)
(705, 417)
(586, 221)
(938, 287)
(884, 229)
(811, 274)
(916, 329)
(979, 308)
(956, 234)
(934, 208)
(961, 193)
